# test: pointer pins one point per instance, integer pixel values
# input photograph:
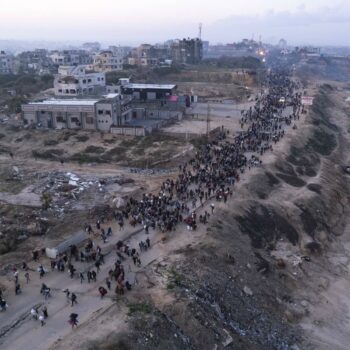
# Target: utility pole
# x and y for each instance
(208, 121)
(200, 31)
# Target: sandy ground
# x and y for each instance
(57, 334)
(220, 109)
(327, 324)
(196, 126)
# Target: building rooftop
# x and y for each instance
(111, 95)
(66, 102)
(150, 86)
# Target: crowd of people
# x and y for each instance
(207, 178)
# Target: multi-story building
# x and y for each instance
(108, 61)
(147, 55)
(36, 61)
(246, 47)
(148, 92)
(78, 81)
(187, 51)
(70, 57)
(92, 114)
(6, 63)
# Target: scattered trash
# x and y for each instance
(346, 169)
(228, 340)
(297, 260)
(247, 291)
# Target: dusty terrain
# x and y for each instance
(269, 272)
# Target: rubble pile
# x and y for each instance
(154, 171)
(66, 189)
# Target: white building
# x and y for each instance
(70, 57)
(6, 63)
(78, 81)
(88, 114)
(108, 61)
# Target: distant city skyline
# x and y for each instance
(114, 21)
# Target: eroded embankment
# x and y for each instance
(244, 278)
(253, 277)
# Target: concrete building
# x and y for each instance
(113, 89)
(187, 51)
(88, 114)
(6, 63)
(245, 48)
(147, 92)
(70, 57)
(147, 55)
(108, 61)
(36, 61)
(78, 81)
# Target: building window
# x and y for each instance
(100, 111)
(108, 112)
(89, 80)
(60, 119)
(75, 120)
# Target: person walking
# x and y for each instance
(89, 277)
(108, 283)
(73, 320)
(82, 278)
(17, 288)
(67, 292)
(73, 299)
(45, 313)
(41, 271)
(93, 275)
(102, 291)
(27, 277)
(42, 320)
(34, 313)
(212, 206)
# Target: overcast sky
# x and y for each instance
(319, 22)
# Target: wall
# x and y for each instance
(130, 131)
(163, 114)
(107, 118)
(189, 135)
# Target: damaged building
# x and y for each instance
(131, 109)
(78, 81)
(88, 114)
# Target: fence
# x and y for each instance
(191, 135)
